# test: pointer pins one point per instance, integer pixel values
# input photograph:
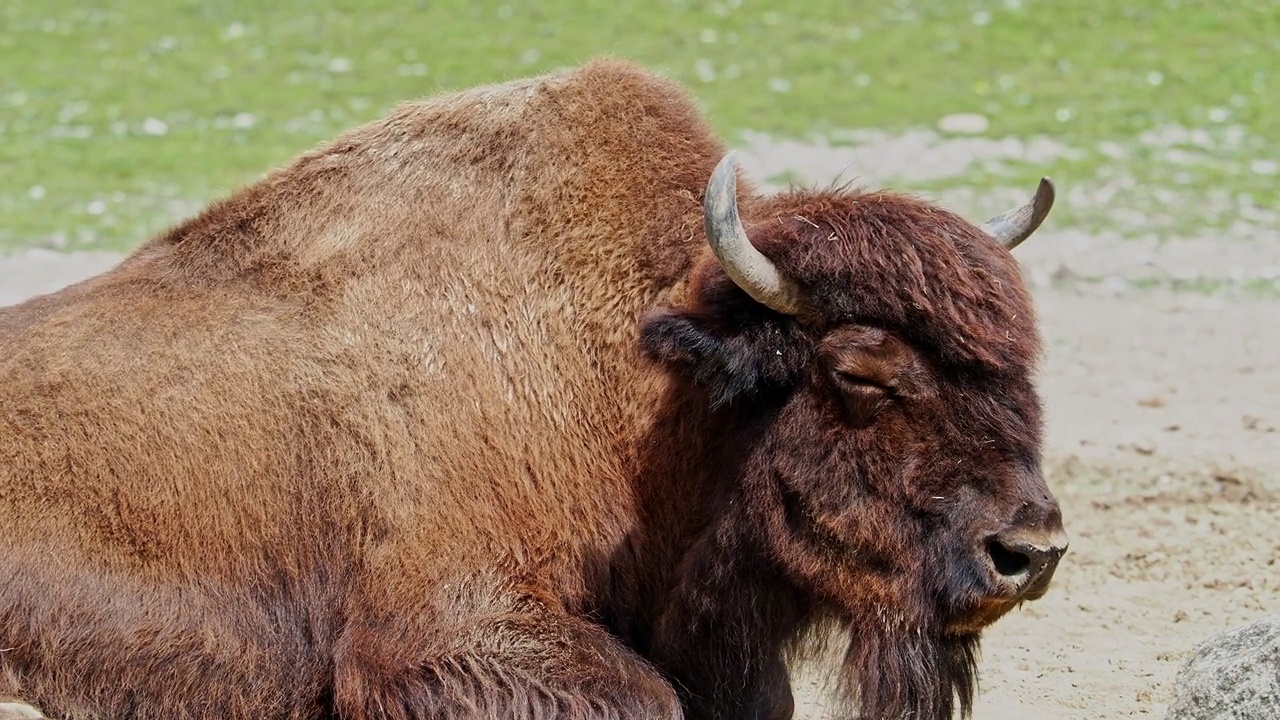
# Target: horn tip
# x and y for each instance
(1046, 193)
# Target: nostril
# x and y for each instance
(1007, 561)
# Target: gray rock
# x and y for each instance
(1232, 676)
(18, 711)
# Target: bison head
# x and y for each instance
(875, 353)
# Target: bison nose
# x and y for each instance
(1026, 560)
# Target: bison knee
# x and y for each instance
(525, 661)
(476, 687)
(481, 688)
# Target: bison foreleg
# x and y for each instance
(516, 658)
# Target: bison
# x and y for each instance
(516, 403)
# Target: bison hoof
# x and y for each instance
(18, 711)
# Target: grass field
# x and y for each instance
(119, 116)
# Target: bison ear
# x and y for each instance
(725, 362)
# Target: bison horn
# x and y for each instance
(1017, 225)
(742, 262)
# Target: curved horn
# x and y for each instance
(1017, 225)
(744, 264)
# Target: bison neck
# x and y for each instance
(693, 580)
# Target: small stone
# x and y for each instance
(705, 71)
(154, 126)
(1234, 488)
(1256, 424)
(1264, 167)
(1152, 401)
(18, 711)
(1063, 277)
(964, 124)
(1115, 285)
(1142, 447)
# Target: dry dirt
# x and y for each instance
(1163, 446)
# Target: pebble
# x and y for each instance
(964, 124)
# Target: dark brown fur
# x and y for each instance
(372, 439)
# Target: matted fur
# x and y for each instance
(372, 437)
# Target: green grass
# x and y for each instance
(119, 116)
(1253, 287)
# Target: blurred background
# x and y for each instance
(117, 116)
(1157, 275)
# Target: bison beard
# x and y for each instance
(911, 674)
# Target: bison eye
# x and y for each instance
(863, 397)
(851, 381)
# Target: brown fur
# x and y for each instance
(371, 438)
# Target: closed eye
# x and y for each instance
(851, 381)
(863, 397)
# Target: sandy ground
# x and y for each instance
(1163, 446)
